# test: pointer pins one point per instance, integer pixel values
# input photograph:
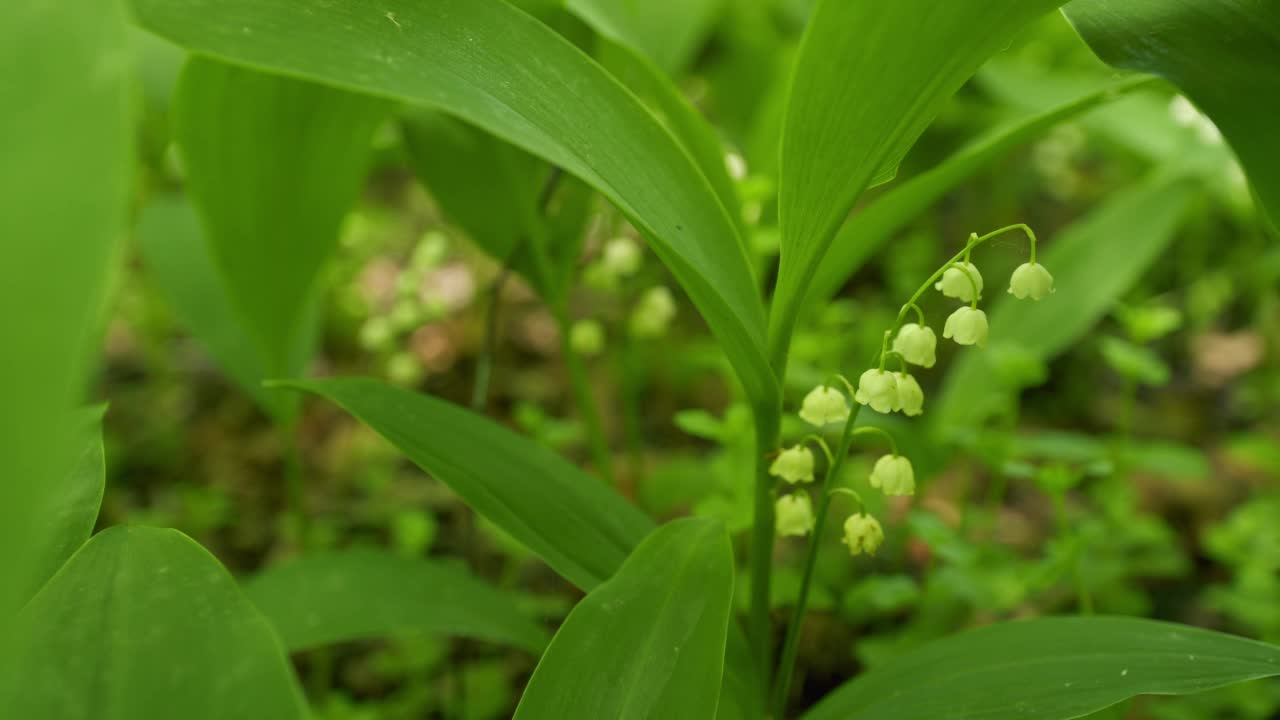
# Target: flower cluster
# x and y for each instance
(887, 391)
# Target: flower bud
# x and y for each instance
(879, 389)
(795, 465)
(377, 333)
(794, 515)
(863, 534)
(653, 313)
(621, 257)
(959, 281)
(916, 344)
(586, 337)
(403, 368)
(823, 406)
(893, 475)
(910, 396)
(967, 326)
(1031, 280)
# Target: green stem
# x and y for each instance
(791, 642)
(584, 399)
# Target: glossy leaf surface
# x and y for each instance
(869, 78)
(144, 623)
(1224, 54)
(1048, 669)
(650, 641)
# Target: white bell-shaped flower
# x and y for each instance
(794, 465)
(621, 257)
(879, 390)
(960, 281)
(1031, 280)
(910, 395)
(917, 344)
(893, 475)
(863, 534)
(823, 406)
(794, 514)
(967, 326)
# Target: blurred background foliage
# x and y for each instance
(1133, 470)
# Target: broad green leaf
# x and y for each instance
(79, 497)
(1048, 669)
(650, 641)
(667, 32)
(581, 528)
(573, 522)
(472, 58)
(1223, 54)
(869, 78)
(1091, 270)
(66, 156)
(179, 263)
(332, 597)
(871, 227)
(273, 165)
(144, 623)
(679, 116)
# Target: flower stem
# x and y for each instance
(791, 642)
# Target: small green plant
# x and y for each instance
(547, 133)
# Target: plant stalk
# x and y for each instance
(791, 642)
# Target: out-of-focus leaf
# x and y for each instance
(178, 262)
(273, 164)
(332, 597)
(667, 32)
(503, 71)
(144, 623)
(1224, 54)
(870, 77)
(574, 523)
(650, 641)
(868, 230)
(487, 186)
(1091, 271)
(66, 142)
(1048, 669)
(70, 522)
(581, 528)
(1134, 361)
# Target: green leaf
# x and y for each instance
(667, 32)
(690, 129)
(332, 597)
(869, 78)
(868, 230)
(572, 521)
(144, 623)
(1048, 669)
(273, 165)
(1223, 54)
(472, 59)
(1091, 272)
(79, 497)
(179, 264)
(580, 527)
(66, 139)
(488, 187)
(649, 642)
